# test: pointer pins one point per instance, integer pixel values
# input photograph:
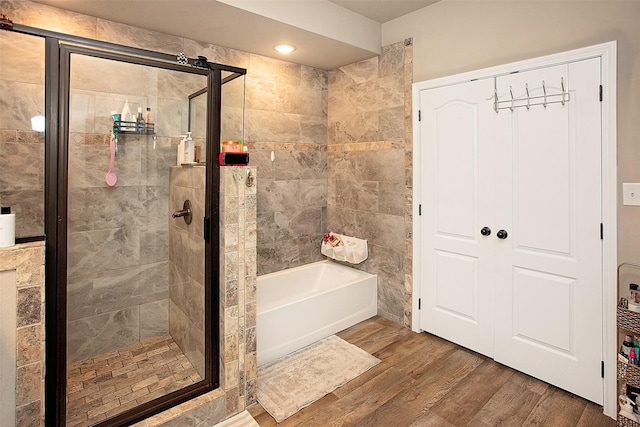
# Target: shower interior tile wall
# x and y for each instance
(186, 265)
(118, 269)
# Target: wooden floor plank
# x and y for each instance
(510, 406)
(593, 417)
(425, 381)
(461, 404)
(374, 398)
(556, 408)
(361, 331)
(381, 388)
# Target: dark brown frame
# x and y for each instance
(58, 50)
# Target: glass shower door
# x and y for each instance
(135, 274)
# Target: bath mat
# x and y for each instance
(295, 381)
(243, 419)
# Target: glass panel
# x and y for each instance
(135, 275)
(232, 112)
(22, 145)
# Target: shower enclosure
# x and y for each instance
(132, 293)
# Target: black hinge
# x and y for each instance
(419, 303)
(601, 231)
(207, 228)
(600, 93)
(419, 115)
(602, 369)
(419, 210)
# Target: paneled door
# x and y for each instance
(510, 225)
(548, 283)
(457, 294)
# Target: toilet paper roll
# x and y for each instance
(7, 230)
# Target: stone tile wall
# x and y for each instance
(186, 264)
(368, 166)
(21, 149)
(286, 115)
(27, 260)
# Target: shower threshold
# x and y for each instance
(111, 383)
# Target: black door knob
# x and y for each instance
(486, 231)
(502, 234)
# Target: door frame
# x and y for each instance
(607, 52)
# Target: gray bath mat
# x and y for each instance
(297, 380)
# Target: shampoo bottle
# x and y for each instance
(7, 227)
(148, 116)
(189, 150)
(126, 116)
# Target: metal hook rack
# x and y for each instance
(528, 101)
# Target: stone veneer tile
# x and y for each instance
(274, 69)
(50, 18)
(29, 415)
(29, 306)
(28, 342)
(138, 37)
(219, 54)
(29, 377)
(271, 126)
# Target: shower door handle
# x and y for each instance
(184, 213)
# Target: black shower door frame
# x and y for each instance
(58, 50)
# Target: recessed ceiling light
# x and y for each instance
(284, 48)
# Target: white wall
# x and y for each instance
(454, 36)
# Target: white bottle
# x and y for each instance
(180, 155)
(126, 116)
(189, 150)
(7, 227)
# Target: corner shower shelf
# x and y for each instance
(129, 127)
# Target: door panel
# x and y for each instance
(548, 270)
(545, 149)
(459, 300)
(536, 292)
(457, 259)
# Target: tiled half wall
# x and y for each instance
(238, 365)
(22, 268)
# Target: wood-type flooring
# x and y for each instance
(426, 381)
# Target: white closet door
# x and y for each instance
(457, 288)
(548, 196)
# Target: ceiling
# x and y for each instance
(383, 10)
(326, 33)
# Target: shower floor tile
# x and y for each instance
(111, 383)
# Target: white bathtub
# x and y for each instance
(301, 305)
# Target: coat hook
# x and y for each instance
(526, 87)
(544, 91)
(512, 100)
